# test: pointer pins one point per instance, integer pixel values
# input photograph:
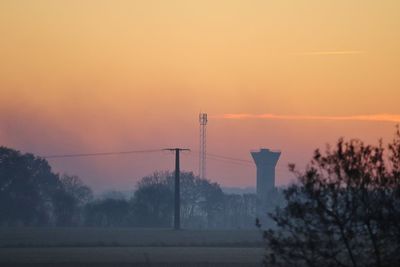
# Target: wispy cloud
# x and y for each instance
(371, 117)
(331, 53)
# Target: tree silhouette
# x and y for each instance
(152, 204)
(32, 195)
(72, 200)
(344, 210)
(107, 213)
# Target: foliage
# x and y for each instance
(72, 199)
(344, 211)
(152, 204)
(201, 201)
(239, 210)
(32, 195)
(74, 186)
(107, 213)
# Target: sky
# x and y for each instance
(98, 76)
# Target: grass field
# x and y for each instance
(128, 247)
(139, 256)
(133, 237)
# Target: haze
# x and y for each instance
(98, 76)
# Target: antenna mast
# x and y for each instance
(203, 145)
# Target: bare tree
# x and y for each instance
(344, 210)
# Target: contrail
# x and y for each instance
(372, 117)
(322, 53)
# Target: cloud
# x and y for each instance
(331, 53)
(371, 117)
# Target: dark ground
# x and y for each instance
(128, 247)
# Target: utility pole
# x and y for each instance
(177, 199)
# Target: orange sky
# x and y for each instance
(88, 76)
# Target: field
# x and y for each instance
(128, 247)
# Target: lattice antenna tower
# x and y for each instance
(203, 144)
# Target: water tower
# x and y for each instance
(266, 161)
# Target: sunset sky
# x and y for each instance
(99, 76)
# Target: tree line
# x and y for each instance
(344, 209)
(31, 194)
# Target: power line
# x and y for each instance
(101, 154)
(216, 156)
(235, 161)
(211, 156)
(226, 160)
(250, 165)
(230, 158)
(230, 162)
(222, 157)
